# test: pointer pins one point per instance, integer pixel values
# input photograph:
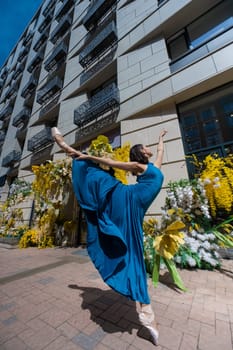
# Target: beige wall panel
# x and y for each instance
(77, 39)
(135, 105)
(171, 7)
(80, 10)
(72, 76)
(158, 203)
(66, 113)
(175, 151)
(161, 91)
(132, 14)
(174, 171)
(223, 58)
(193, 74)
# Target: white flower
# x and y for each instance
(216, 185)
(207, 181)
(191, 262)
(202, 237)
(210, 236)
(206, 245)
(177, 259)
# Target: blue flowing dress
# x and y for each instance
(114, 213)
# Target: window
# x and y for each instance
(213, 23)
(207, 122)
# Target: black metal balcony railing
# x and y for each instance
(49, 8)
(96, 11)
(66, 6)
(35, 62)
(29, 87)
(11, 158)
(58, 54)
(27, 39)
(1, 83)
(11, 91)
(87, 74)
(45, 22)
(2, 137)
(18, 71)
(49, 89)
(41, 39)
(102, 102)
(99, 44)
(50, 107)
(4, 73)
(5, 112)
(24, 51)
(22, 117)
(61, 28)
(42, 139)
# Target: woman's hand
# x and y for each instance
(83, 156)
(163, 133)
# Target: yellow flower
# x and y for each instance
(169, 241)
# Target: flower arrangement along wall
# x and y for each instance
(51, 188)
(11, 217)
(207, 219)
(50, 191)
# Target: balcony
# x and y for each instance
(22, 117)
(49, 89)
(58, 55)
(49, 8)
(4, 73)
(49, 109)
(61, 28)
(64, 9)
(45, 22)
(96, 11)
(6, 112)
(19, 70)
(99, 65)
(103, 40)
(42, 139)
(41, 40)
(101, 103)
(11, 158)
(2, 137)
(23, 52)
(27, 39)
(12, 90)
(29, 87)
(35, 62)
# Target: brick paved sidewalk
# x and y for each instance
(54, 299)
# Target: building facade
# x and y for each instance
(126, 69)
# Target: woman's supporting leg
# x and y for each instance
(147, 319)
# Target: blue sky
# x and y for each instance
(15, 15)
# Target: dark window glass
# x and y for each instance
(207, 122)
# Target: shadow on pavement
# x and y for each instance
(111, 311)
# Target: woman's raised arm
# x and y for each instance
(160, 150)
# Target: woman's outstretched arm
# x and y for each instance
(127, 166)
(58, 138)
(160, 150)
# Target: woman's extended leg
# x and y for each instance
(147, 319)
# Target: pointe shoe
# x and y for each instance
(55, 131)
(146, 317)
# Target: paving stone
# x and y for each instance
(50, 301)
